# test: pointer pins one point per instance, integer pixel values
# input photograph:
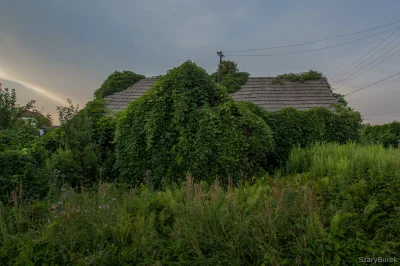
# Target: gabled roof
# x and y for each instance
(302, 96)
(259, 90)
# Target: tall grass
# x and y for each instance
(269, 222)
(335, 204)
(359, 189)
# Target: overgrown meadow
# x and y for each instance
(187, 176)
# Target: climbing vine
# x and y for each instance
(186, 124)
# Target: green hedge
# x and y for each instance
(188, 124)
(291, 127)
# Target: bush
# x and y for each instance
(86, 140)
(388, 135)
(291, 127)
(63, 165)
(18, 137)
(53, 140)
(116, 82)
(231, 78)
(301, 77)
(23, 167)
(186, 123)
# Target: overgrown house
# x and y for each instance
(262, 91)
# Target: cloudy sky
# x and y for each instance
(51, 50)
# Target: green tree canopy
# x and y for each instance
(10, 111)
(231, 78)
(117, 81)
(185, 124)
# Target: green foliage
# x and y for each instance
(53, 140)
(291, 127)
(23, 167)
(18, 137)
(116, 82)
(388, 134)
(66, 113)
(64, 165)
(301, 77)
(85, 140)
(338, 203)
(359, 189)
(186, 123)
(231, 78)
(341, 99)
(10, 111)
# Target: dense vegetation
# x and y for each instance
(291, 127)
(300, 77)
(116, 82)
(188, 124)
(231, 78)
(338, 203)
(180, 177)
(387, 135)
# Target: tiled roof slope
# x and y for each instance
(118, 101)
(302, 96)
(261, 91)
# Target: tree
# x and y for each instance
(231, 78)
(10, 111)
(116, 82)
(67, 113)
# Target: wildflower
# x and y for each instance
(62, 213)
(108, 206)
(48, 221)
(114, 199)
(54, 206)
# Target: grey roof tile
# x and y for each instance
(259, 90)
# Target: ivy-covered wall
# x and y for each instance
(188, 124)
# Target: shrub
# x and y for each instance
(26, 168)
(116, 82)
(291, 127)
(67, 169)
(186, 123)
(301, 77)
(231, 78)
(18, 137)
(388, 135)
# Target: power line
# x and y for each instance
(364, 55)
(372, 84)
(343, 78)
(388, 113)
(321, 40)
(306, 51)
(372, 66)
